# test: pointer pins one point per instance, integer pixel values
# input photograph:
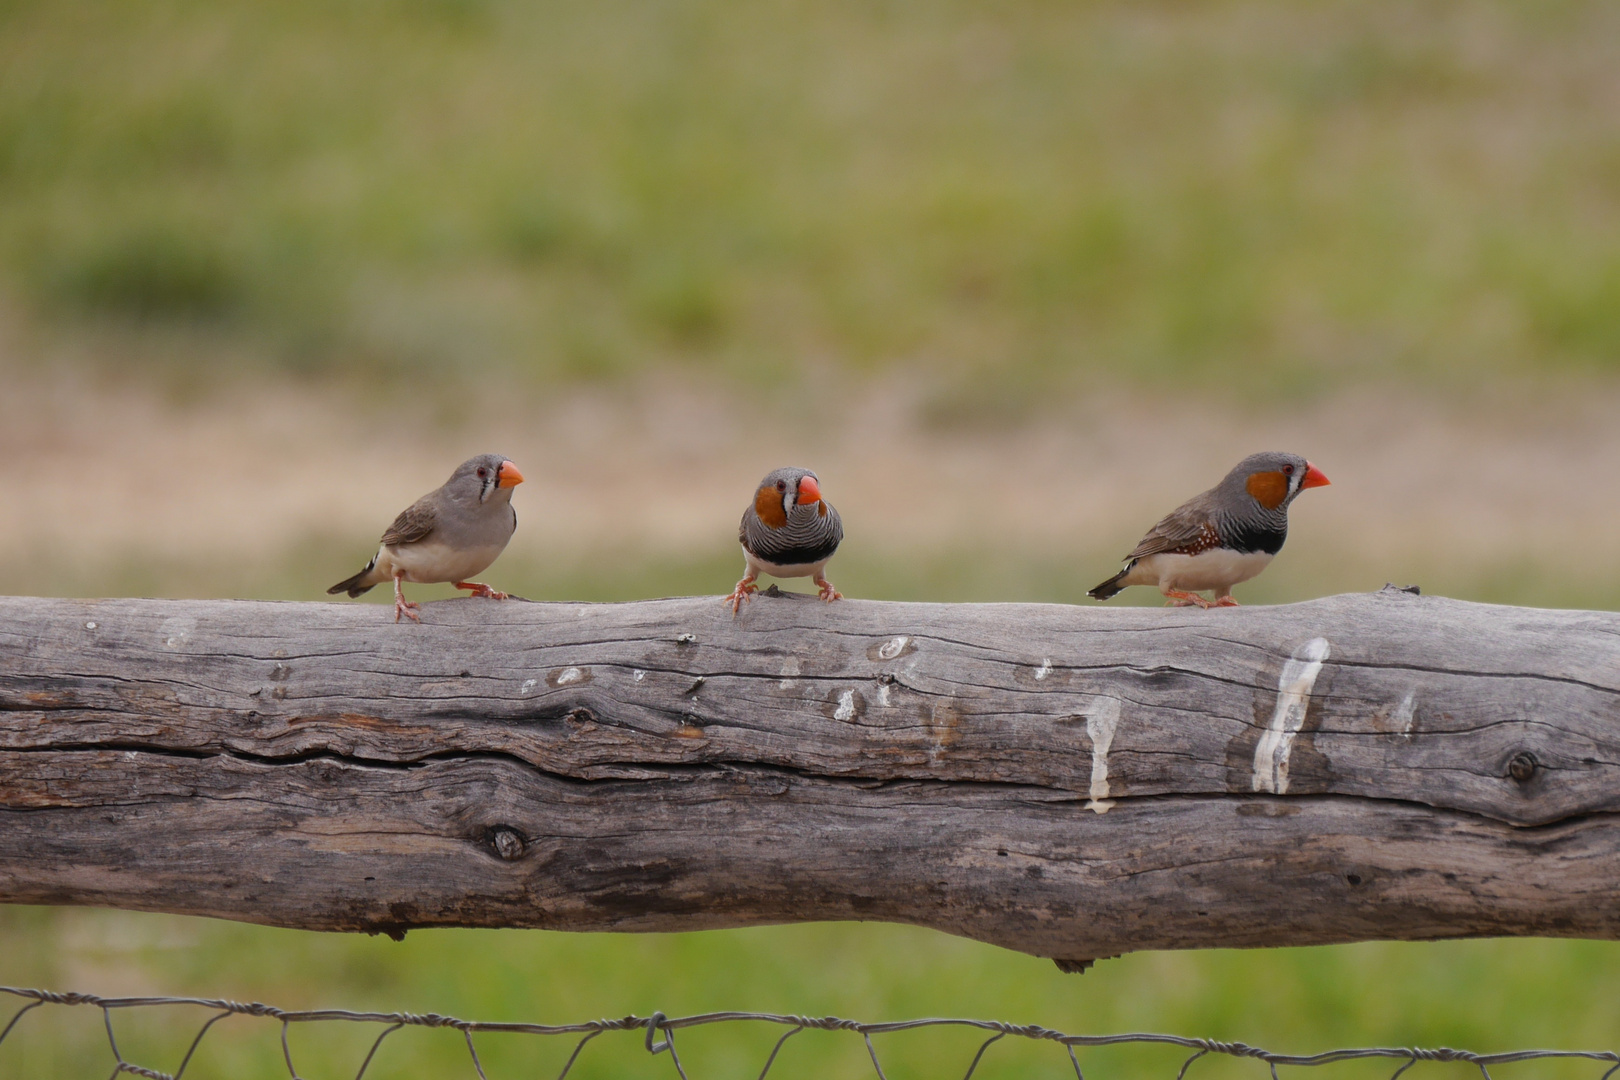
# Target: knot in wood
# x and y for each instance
(507, 844)
(1522, 766)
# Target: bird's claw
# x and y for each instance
(1226, 601)
(1178, 598)
(743, 592)
(478, 588)
(828, 593)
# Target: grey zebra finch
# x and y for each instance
(450, 534)
(788, 531)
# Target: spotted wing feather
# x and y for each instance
(1186, 530)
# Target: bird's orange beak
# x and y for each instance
(1314, 477)
(510, 477)
(809, 491)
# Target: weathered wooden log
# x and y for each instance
(1068, 781)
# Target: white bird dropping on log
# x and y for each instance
(1102, 718)
(1293, 699)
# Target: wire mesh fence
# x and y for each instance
(657, 1033)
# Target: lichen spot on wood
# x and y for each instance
(1044, 670)
(569, 676)
(175, 632)
(892, 648)
(1404, 713)
(845, 706)
(944, 727)
(1396, 718)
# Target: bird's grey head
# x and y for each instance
(479, 480)
(788, 493)
(1271, 480)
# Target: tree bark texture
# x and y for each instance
(1071, 782)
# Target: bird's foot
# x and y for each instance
(478, 588)
(403, 606)
(744, 591)
(828, 593)
(1226, 601)
(1180, 598)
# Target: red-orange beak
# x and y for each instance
(1314, 477)
(809, 490)
(510, 477)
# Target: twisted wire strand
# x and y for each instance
(658, 1032)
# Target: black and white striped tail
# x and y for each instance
(1110, 587)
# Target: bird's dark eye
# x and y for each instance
(781, 485)
(1288, 470)
(483, 472)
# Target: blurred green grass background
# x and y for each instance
(1021, 198)
(1002, 205)
(1483, 995)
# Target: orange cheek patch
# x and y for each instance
(768, 507)
(1268, 488)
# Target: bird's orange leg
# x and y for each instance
(480, 589)
(744, 590)
(403, 606)
(828, 593)
(1225, 600)
(1182, 598)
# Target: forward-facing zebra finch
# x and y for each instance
(788, 531)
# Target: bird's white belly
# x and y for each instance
(1213, 569)
(757, 566)
(428, 561)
